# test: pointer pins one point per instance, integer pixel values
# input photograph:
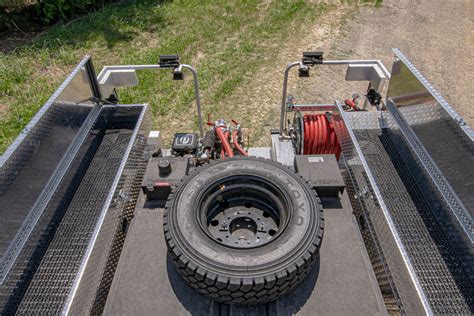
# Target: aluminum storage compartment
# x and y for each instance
(29, 163)
(440, 138)
(412, 200)
(58, 181)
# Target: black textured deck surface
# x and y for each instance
(342, 283)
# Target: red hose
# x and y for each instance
(237, 145)
(352, 104)
(314, 132)
(312, 139)
(306, 128)
(320, 136)
(324, 135)
(224, 141)
(321, 132)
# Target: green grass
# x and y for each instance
(224, 40)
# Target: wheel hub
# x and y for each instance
(243, 227)
(243, 212)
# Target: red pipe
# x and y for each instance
(227, 134)
(352, 104)
(237, 145)
(224, 141)
(231, 151)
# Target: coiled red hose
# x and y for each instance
(319, 136)
(237, 145)
(224, 141)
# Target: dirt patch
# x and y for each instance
(3, 109)
(19, 24)
(16, 38)
(442, 47)
(437, 36)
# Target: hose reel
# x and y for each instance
(314, 134)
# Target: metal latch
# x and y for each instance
(362, 193)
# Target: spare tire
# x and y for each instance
(243, 230)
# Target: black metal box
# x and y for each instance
(322, 172)
(161, 174)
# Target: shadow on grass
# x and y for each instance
(114, 24)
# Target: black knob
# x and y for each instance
(164, 166)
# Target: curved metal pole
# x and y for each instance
(108, 69)
(196, 95)
(283, 131)
(283, 99)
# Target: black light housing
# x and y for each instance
(303, 72)
(178, 74)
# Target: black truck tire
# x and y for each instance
(243, 230)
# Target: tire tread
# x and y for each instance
(253, 290)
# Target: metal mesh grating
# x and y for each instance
(429, 260)
(41, 279)
(127, 191)
(382, 272)
(441, 261)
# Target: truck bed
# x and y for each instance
(342, 281)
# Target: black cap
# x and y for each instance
(164, 166)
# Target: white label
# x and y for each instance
(315, 159)
(154, 134)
